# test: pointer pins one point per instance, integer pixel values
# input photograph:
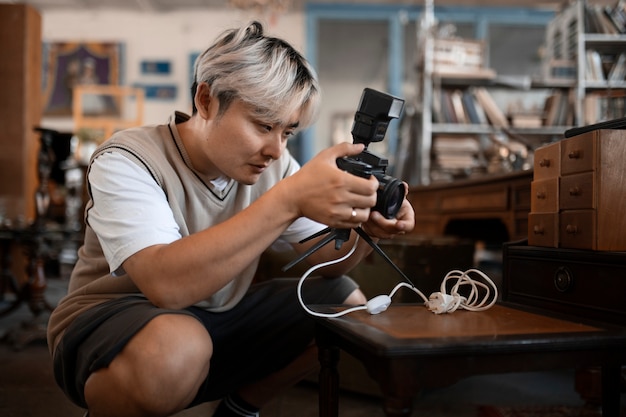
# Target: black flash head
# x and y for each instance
(372, 118)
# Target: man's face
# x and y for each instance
(241, 146)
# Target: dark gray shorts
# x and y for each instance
(266, 331)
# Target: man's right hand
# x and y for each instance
(323, 192)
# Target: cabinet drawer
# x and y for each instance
(577, 191)
(577, 229)
(543, 229)
(583, 283)
(547, 161)
(577, 154)
(544, 196)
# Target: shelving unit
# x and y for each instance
(565, 80)
(575, 36)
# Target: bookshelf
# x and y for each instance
(457, 128)
(592, 39)
(583, 78)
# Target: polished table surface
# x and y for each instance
(407, 348)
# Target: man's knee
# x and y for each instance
(160, 369)
(356, 297)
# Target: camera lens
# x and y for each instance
(389, 196)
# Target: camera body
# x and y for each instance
(371, 120)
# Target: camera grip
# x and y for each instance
(355, 167)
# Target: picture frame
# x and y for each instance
(159, 91)
(162, 67)
(67, 64)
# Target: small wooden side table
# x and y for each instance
(407, 348)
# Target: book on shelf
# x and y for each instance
(618, 70)
(604, 105)
(617, 15)
(455, 152)
(605, 66)
(594, 70)
(447, 107)
(559, 109)
(456, 144)
(437, 107)
(457, 106)
(526, 120)
(494, 114)
(598, 21)
(475, 112)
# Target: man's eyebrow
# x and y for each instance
(294, 125)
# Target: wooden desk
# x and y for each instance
(407, 347)
(473, 208)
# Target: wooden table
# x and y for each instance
(407, 348)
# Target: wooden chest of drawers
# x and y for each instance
(577, 193)
(574, 282)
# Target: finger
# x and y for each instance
(348, 149)
(363, 189)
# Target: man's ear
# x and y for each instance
(203, 100)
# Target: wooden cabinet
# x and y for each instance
(568, 281)
(20, 106)
(583, 206)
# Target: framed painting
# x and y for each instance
(156, 67)
(68, 64)
(159, 91)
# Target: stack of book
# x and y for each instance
(455, 156)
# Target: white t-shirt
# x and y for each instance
(139, 216)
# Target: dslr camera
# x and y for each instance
(371, 120)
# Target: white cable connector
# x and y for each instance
(378, 304)
(442, 302)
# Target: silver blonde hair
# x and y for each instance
(265, 72)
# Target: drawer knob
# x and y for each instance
(544, 163)
(574, 191)
(563, 279)
(571, 229)
(575, 154)
(541, 195)
(538, 230)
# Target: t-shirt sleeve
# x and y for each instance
(130, 210)
(302, 227)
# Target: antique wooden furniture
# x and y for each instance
(492, 208)
(581, 283)
(39, 240)
(577, 193)
(407, 348)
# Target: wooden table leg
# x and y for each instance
(611, 379)
(328, 378)
(329, 382)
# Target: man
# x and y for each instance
(161, 313)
